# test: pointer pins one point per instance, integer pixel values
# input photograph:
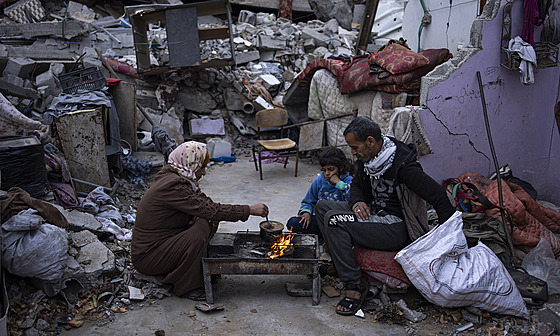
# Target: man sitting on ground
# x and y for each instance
(386, 210)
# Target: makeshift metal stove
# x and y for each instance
(247, 253)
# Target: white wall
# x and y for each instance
(460, 15)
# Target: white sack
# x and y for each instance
(449, 274)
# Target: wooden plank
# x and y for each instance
(141, 46)
(367, 24)
(83, 141)
(182, 37)
(213, 33)
(311, 136)
(124, 96)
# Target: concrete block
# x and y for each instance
(270, 43)
(247, 56)
(218, 147)
(409, 314)
(57, 69)
(319, 38)
(309, 44)
(207, 126)
(342, 50)
(20, 67)
(14, 80)
(47, 79)
(247, 17)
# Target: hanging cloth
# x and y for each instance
(531, 17)
(528, 59)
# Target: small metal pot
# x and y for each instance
(271, 231)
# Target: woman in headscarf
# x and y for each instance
(175, 219)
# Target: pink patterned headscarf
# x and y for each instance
(188, 158)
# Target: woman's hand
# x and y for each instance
(259, 209)
(361, 210)
(305, 219)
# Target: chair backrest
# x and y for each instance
(271, 117)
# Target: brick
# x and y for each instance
(269, 43)
(320, 39)
(247, 56)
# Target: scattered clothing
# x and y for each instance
(528, 59)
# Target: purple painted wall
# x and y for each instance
(521, 118)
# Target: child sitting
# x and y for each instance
(332, 184)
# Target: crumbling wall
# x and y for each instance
(521, 117)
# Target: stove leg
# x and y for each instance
(316, 285)
(207, 283)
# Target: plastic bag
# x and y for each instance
(540, 263)
(449, 274)
(35, 249)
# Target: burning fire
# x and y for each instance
(281, 246)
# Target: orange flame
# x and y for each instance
(280, 247)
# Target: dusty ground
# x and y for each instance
(255, 305)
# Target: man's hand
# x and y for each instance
(361, 210)
(305, 219)
(259, 209)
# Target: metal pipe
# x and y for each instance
(248, 107)
(496, 165)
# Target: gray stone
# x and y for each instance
(57, 69)
(207, 126)
(196, 100)
(270, 43)
(342, 50)
(218, 147)
(409, 314)
(385, 299)
(234, 100)
(20, 67)
(319, 38)
(240, 124)
(173, 121)
(247, 56)
(470, 317)
(309, 44)
(73, 268)
(27, 323)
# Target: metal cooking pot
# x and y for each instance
(271, 231)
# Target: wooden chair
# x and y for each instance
(285, 147)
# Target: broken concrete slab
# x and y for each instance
(319, 38)
(270, 43)
(78, 220)
(247, 56)
(67, 29)
(197, 100)
(80, 12)
(47, 78)
(19, 66)
(233, 99)
(207, 126)
(96, 259)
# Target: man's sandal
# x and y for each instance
(354, 304)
